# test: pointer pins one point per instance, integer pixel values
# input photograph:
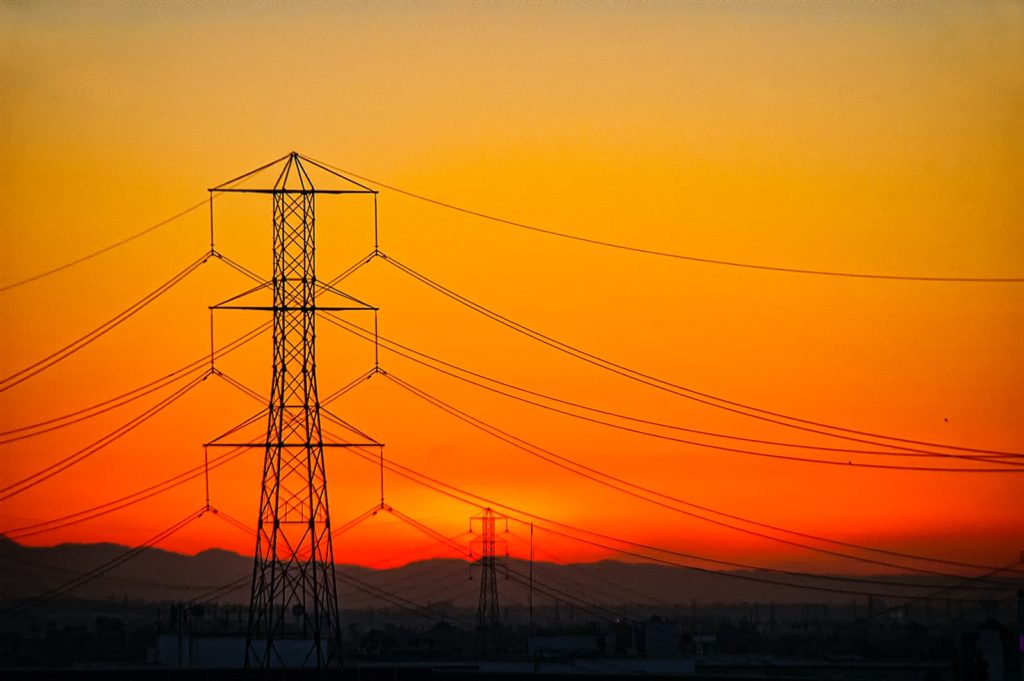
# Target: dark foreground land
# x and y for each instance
(171, 616)
(416, 673)
(78, 639)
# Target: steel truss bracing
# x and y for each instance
(294, 616)
(293, 585)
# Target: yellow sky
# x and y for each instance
(842, 136)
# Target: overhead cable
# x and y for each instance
(105, 249)
(678, 256)
(708, 399)
(79, 343)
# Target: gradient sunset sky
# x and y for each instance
(854, 137)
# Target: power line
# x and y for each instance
(74, 346)
(105, 249)
(912, 453)
(67, 462)
(424, 611)
(464, 497)
(242, 581)
(679, 390)
(50, 425)
(366, 375)
(437, 536)
(422, 568)
(747, 520)
(735, 450)
(79, 415)
(139, 234)
(234, 522)
(126, 501)
(634, 593)
(27, 529)
(239, 268)
(352, 269)
(85, 578)
(952, 587)
(742, 575)
(621, 485)
(461, 496)
(430, 532)
(222, 590)
(436, 364)
(679, 256)
(566, 597)
(356, 329)
(354, 522)
(238, 385)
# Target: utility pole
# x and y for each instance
(1020, 625)
(531, 581)
(293, 612)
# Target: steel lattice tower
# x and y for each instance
(293, 613)
(293, 573)
(488, 614)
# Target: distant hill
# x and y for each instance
(158, 575)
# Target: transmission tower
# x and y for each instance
(488, 613)
(293, 612)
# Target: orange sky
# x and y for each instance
(840, 136)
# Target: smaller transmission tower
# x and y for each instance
(488, 614)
